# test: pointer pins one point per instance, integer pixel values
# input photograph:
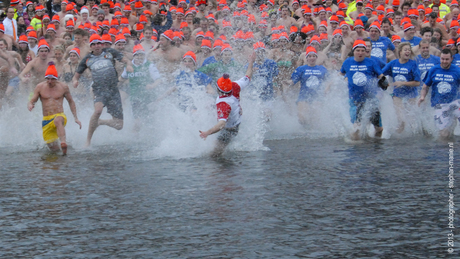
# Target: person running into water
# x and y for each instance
(444, 80)
(406, 77)
(52, 93)
(360, 72)
(228, 108)
(311, 78)
(142, 80)
(101, 63)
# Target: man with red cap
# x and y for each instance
(228, 108)
(380, 44)
(311, 78)
(409, 32)
(189, 81)
(145, 76)
(52, 93)
(361, 72)
(37, 67)
(167, 56)
(101, 63)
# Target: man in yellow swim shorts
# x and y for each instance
(52, 93)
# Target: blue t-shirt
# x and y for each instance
(209, 60)
(262, 78)
(444, 84)
(413, 42)
(187, 82)
(456, 60)
(379, 62)
(361, 78)
(310, 79)
(426, 64)
(380, 46)
(403, 73)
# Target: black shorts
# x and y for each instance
(110, 97)
(227, 134)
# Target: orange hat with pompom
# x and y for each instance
(224, 84)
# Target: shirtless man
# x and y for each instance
(359, 31)
(148, 43)
(202, 10)
(5, 64)
(432, 18)
(286, 20)
(52, 40)
(7, 38)
(36, 67)
(167, 57)
(79, 35)
(188, 40)
(52, 94)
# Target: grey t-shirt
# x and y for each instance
(102, 67)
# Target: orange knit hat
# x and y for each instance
(224, 84)
(51, 71)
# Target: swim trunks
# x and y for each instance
(446, 113)
(227, 134)
(357, 111)
(110, 97)
(49, 128)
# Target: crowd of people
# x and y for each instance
(112, 51)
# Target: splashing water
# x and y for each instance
(168, 131)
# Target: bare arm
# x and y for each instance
(252, 58)
(34, 98)
(75, 79)
(220, 125)
(26, 70)
(423, 94)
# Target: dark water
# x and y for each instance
(304, 198)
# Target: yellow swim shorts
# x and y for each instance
(49, 128)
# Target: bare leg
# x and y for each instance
(59, 123)
(399, 107)
(114, 123)
(94, 121)
(54, 146)
(355, 134)
(302, 109)
(378, 131)
(4, 73)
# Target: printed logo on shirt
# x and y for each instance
(444, 88)
(312, 82)
(376, 52)
(400, 78)
(359, 79)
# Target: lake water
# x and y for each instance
(280, 191)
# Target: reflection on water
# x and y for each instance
(318, 198)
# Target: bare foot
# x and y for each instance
(355, 136)
(64, 148)
(378, 132)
